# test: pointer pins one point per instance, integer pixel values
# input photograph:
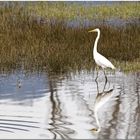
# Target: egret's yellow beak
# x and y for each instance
(92, 31)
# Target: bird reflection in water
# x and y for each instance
(101, 99)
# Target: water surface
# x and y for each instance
(38, 105)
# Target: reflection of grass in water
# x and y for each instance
(57, 47)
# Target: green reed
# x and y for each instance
(27, 43)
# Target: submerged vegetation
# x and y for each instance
(26, 42)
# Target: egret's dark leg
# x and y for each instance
(96, 74)
(97, 85)
(105, 83)
(105, 75)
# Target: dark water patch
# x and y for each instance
(18, 93)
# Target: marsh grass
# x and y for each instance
(29, 44)
(75, 10)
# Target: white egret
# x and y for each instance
(100, 60)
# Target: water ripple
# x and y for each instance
(65, 108)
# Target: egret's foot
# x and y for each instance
(95, 130)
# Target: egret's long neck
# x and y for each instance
(96, 42)
(97, 121)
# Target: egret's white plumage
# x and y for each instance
(100, 59)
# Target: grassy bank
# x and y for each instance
(57, 47)
(73, 11)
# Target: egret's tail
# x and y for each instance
(113, 67)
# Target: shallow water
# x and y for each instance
(67, 106)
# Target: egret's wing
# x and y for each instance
(104, 62)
